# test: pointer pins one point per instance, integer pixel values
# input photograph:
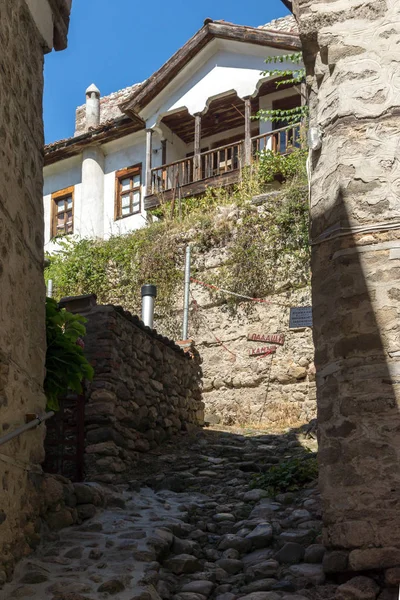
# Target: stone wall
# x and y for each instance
(277, 389)
(22, 319)
(146, 389)
(354, 98)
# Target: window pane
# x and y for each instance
(69, 202)
(69, 216)
(126, 210)
(136, 180)
(125, 184)
(136, 201)
(126, 200)
(60, 219)
(60, 205)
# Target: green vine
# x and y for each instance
(286, 76)
(66, 364)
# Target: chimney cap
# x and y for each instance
(93, 88)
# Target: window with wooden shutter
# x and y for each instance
(128, 192)
(62, 212)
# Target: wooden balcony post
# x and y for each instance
(149, 152)
(197, 147)
(247, 131)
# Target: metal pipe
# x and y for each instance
(31, 425)
(149, 293)
(186, 298)
(50, 288)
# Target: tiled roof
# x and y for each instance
(286, 24)
(109, 108)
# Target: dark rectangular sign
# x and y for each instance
(300, 317)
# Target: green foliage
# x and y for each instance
(66, 364)
(288, 476)
(273, 165)
(295, 76)
(266, 246)
(291, 116)
(115, 269)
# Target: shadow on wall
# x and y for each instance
(356, 334)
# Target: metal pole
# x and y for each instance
(186, 298)
(149, 293)
(50, 288)
(26, 427)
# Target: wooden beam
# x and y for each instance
(149, 152)
(247, 131)
(197, 147)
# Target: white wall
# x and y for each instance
(219, 68)
(119, 154)
(58, 176)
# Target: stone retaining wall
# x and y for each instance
(145, 390)
(275, 390)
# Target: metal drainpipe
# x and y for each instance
(186, 298)
(31, 425)
(149, 293)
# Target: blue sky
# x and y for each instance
(115, 43)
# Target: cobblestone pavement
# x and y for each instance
(189, 526)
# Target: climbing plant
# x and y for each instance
(294, 76)
(66, 364)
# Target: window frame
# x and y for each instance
(128, 172)
(55, 198)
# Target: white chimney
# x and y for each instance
(92, 107)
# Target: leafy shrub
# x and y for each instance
(66, 364)
(284, 167)
(288, 476)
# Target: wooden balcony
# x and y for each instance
(219, 167)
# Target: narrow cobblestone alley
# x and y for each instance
(189, 525)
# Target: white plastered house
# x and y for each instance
(187, 127)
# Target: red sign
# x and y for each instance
(264, 351)
(272, 338)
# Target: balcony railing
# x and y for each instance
(217, 162)
(281, 140)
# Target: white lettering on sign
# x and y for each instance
(272, 338)
(264, 351)
(300, 317)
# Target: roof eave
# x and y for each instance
(288, 4)
(106, 133)
(141, 97)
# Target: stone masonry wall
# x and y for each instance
(276, 390)
(145, 389)
(22, 326)
(351, 51)
(22, 291)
